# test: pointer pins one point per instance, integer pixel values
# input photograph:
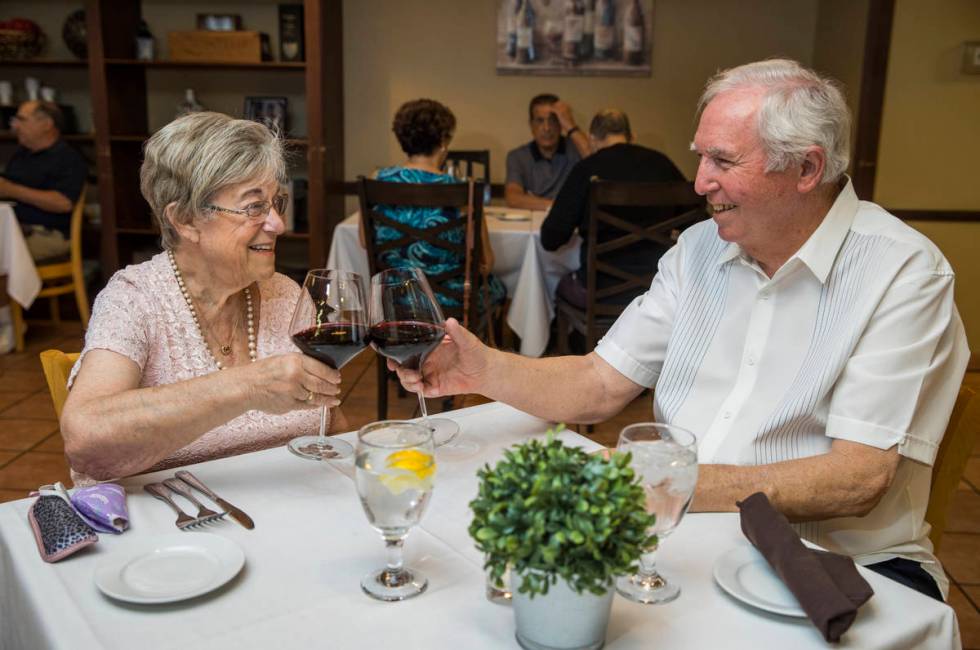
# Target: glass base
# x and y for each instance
(313, 448)
(649, 590)
(388, 585)
(443, 431)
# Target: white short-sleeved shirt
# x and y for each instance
(855, 337)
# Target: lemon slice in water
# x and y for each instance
(408, 469)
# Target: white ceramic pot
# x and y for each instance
(562, 619)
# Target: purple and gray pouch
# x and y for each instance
(63, 524)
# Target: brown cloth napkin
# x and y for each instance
(828, 585)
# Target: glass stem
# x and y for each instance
(425, 413)
(648, 565)
(322, 438)
(393, 553)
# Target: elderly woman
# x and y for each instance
(187, 356)
(424, 129)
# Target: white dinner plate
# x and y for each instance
(747, 576)
(511, 216)
(170, 568)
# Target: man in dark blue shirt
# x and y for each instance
(45, 177)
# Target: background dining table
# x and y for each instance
(312, 543)
(23, 283)
(529, 272)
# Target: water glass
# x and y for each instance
(665, 458)
(394, 472)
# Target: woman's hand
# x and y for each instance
(455, 367)
(288, 382)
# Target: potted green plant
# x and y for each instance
(565, 523)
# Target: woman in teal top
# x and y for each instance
(424, 128)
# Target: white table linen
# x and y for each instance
(529, 272)
(23, 283)
(312, 544)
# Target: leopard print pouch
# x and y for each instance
(58, 530)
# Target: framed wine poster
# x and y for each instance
(574, 37)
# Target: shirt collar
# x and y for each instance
(820, 250)
(538, 156)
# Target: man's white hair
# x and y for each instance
(800, 109)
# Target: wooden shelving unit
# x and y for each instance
(119, 105)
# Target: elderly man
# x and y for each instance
(615, 158)
(536, 170)
(807, 338)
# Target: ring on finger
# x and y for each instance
(309, 396)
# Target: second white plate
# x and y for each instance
(747, 576)
(170, 568)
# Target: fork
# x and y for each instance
(203, 513)
(184, 520)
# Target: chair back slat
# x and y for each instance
(57, 367)
(674, 206)
(373, 194)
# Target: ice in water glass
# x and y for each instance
(394, 470)
(665, 458)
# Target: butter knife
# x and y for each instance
(233, 512)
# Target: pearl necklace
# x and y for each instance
(249, 315)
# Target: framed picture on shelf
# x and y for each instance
(291, 32)
(219, 22)
(270, 111)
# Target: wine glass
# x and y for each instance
(665, 458)
(394, 471)
(329, 324)
(406, 325)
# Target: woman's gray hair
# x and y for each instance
(800, 109)
(198, 155)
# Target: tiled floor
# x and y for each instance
(31, 452)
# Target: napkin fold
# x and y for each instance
(827, 585)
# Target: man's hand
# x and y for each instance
(4, 188)
(563, 112)
(456, 366)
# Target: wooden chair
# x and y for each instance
(469, 158)
(60, 278)
(954, 451)
(682, 207)
(427, 195)
(57, 366)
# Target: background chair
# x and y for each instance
(465, 160)
(610, 287)
(59, 278)
(428, 195)
(954, 452)
(57, 366)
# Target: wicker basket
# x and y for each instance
(17, 44)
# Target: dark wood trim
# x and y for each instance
(874, 73)
(209, 65)
(937, 215)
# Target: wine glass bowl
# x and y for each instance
(665, 459)
(394, 472)
(329, 323)
(406, 325)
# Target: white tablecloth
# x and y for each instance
(529, 272)
(16, 263)
(312, 544)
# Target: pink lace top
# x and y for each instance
(142, 315)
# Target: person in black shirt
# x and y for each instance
(45, 178)
(615, 158)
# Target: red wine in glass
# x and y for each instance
(332, 343)
(329, 324)
(407, 342)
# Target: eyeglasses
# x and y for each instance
(259, 210)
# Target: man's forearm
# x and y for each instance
(48, 200)
(518, 198)
(848, 481)
(531, 385)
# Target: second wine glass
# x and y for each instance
(329, 324)
(406, 325)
